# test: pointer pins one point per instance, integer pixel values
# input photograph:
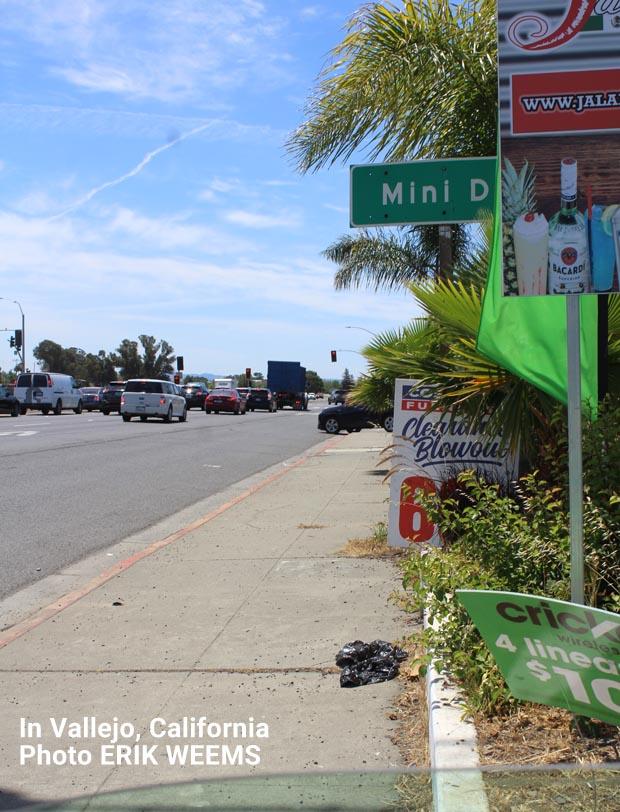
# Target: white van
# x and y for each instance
(47, 392)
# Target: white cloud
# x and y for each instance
(168, 51)
(250, 219)
(340, 209)
(170, 233)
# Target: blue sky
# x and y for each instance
(145, 189)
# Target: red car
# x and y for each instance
(225, 400)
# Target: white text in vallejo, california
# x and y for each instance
(192, 741)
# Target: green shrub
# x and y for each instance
(517, 542)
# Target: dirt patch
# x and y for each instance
(538, 734)
(370, 548)
(533, 735)
(411, 713)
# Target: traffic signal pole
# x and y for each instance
(21, 349)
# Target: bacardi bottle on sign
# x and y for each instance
(569, 263)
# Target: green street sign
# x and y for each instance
(552, 652)
(455, 190)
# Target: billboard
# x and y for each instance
(559, 94)
(429, 449)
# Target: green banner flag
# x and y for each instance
(527, 335)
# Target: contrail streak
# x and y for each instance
(138, 168)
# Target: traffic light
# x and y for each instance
(334, 357)
(248, 373)
(18, 339)
(12, 341)
(177, 379)
(180, 363)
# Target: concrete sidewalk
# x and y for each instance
(235, 618)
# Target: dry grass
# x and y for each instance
(535, 736)
(411, 713)
(369, 548)
(539, 734)
(375, 546)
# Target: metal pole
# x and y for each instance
(575, 458)
(603, 345)
(445, 251)
(23, 352)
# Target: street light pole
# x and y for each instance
(353, 327)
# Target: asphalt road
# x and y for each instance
(74, 484)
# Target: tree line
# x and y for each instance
(145, 358)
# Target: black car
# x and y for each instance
(8, 403)
(110, 397)
(90, 398)
(244, 391)
(353, 418)
(195, 393)
(261, 399)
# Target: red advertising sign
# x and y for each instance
(573, 101)
(559, 83)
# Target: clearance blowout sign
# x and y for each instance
(428, 450)
(552, 652)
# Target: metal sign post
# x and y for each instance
(575, 456)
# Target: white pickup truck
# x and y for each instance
(147, 397)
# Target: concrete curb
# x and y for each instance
(452, 741)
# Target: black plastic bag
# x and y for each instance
(368, 663)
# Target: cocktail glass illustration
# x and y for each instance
(531, 242)
(602, 249)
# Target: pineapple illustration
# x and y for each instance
(518, 197)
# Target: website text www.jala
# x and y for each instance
(571, 102)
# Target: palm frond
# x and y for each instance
(420, 81)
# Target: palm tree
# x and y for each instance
(420, 81)
(439, 350)
(384, 259)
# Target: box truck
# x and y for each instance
(287, 382)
